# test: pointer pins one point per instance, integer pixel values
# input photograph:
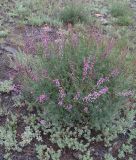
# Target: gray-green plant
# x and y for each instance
(6, 86)
(8, 135)
(108, 156)
(76, 138)
(45, 152)
(85, 156)
(3, 33)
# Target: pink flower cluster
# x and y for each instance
(115, 72)
(85, 68)
(68, 107)
(32, 75)
(16, 88)
(42, 122)
(56, 82)
(86, 109)
(95, 95)
(42, 98)
(77, 96)
(62, 93)
(126, 93)
(88, 68)
(102, 80)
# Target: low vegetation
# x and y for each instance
(83, 82)
(73, 14)
(122, 12)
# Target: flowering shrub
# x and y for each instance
(84, 84)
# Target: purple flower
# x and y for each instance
(16, 88)
(60, 103)
(102, 80)
(32, 75)
(92, 67)
(69, 107)
(86, 109)
(42, 98)
(57, 82)
(77, 96)
(45, 73)
(42, 122)
(103, 90)
(126, 93)
(62, 93)
(115, 72)
(95, 95)
(85, 68)
(35, 78)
